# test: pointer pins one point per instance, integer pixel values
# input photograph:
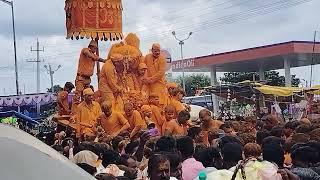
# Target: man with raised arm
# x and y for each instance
(88, 58)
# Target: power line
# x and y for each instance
(257, 12)
(223, 19)
(229, 19)
(183, 12)
(264, 12)
(5, 67)
(65, 53)
(174, 11)
(177, 20)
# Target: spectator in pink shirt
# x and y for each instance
(190, 166)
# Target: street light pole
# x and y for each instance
(51, 72)
(181, 43)
(312, 57)
(14, 45)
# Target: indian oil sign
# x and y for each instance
(187, 63)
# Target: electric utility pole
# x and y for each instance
(37, 50)
(51, 71)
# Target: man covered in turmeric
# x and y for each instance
(179, 126)
(110, 84)
(87, 114)
(96, 95)
(171, 87)
(139, 83)
(157, 64)
(176, 99)
(170, 114)
(129, 49)
(157, 116)
(208, 124)
(112, 122)
(134, 118)
(146, 114)
(62, 99)
(87, 60)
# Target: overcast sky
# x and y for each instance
(218, 26)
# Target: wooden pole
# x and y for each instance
(98, 64)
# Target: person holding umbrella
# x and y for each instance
(87, 59)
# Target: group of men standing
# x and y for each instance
(124, 71)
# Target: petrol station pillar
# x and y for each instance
(261, 73)
(287, 73)
(213, 75)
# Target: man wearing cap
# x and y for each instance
(157, 64)
(110, 84)
(87, 114)
(87, 60)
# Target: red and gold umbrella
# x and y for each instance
(94, 19)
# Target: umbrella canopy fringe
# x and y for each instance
(103, 36)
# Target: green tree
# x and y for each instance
(194, 82)
(272, 77)
(56, 88)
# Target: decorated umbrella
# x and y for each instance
(94, 19)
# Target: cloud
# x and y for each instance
(34, 18)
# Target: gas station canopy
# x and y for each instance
(269, 57)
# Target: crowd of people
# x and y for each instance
(133, 145)
(115, 135)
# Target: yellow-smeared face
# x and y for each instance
(142, 72)
(180, 96)
(93, 49)
(155, 52)
(154, 101)
(170, 115)
(169, 112)
(204, 116)
(88, 98)
(147, 113)
(107, 110)
(128, 109)
(132, 62)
